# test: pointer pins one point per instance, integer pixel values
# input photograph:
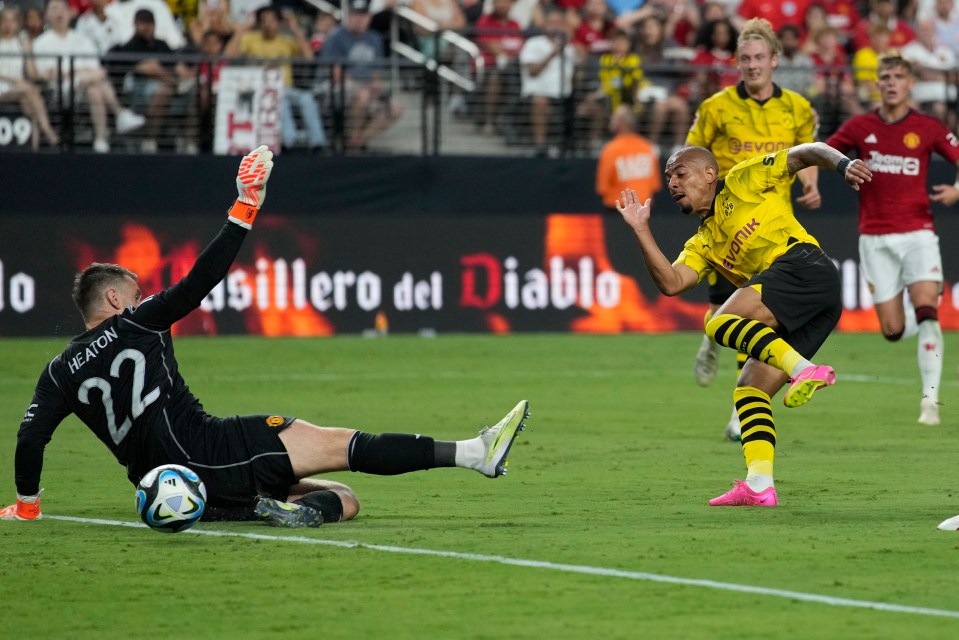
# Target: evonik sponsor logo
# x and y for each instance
(739, 240)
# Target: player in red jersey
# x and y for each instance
(898, 245)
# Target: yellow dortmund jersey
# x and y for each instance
(735, 127)
(751, 224)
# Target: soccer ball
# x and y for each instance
(170, 498)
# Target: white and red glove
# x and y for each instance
(26, 508)
(251, 180)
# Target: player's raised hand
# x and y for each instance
(857, 173)
(635, 213)
(947, 194)
(810, 198)
(25, 508)
(251, 181)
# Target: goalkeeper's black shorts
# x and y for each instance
(238, 458)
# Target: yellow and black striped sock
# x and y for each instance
(741, 359)
(753, 338)
(759, 430)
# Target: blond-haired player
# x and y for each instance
(754, 117)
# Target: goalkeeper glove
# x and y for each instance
(26, 508)
(251, 180)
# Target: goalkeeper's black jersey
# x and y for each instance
(121, 377)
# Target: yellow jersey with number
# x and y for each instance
(736, 127)
(751, 223)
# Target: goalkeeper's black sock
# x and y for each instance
(390, 454)
(327, 502)
(231, 513)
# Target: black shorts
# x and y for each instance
(238, 458)
(803, 291)
(720, 289)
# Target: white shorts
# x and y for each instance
(893, 261)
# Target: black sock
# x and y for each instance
(326, 502)
(444, 453)
(232, 513)
(389, 454)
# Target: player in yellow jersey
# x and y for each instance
(789, 296)
(754, 117)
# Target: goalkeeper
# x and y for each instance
(121, 379)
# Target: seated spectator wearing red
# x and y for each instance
(842, 15)
(833, 93)
(716, 56)
(500, 39)
(778, 12)
(883, 11)
(591, 37)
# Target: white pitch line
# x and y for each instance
(553, 566)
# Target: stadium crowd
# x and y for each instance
(548, 73)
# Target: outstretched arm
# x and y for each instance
(162, 310)
(947, 194)
(820, 154)
(671, 279)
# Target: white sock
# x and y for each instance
(911, 327)
(759, 482)
(930, 358)
(734, 419)
(469, 453)
(802, 364)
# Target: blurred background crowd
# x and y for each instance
(535, 77)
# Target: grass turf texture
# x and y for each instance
(620, 457)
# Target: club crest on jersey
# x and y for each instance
(274, 421)
(911, 140)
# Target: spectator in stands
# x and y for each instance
(833, 92)
(167, 29)
(795, 70)
(213, 17)
(883, 12)
(842, 15)
(937, 9)
(934, 62)
(665, 96)
(267, 43)
(54, 47)
(184, 12)
(154, 81)
(592, 38)
(33, 23)
(500, 39)
(208, 78)
(323, 25)
(98, 26)
(528, 14)
(716, 57)
(448, 17)
(16, 67)
(947, 24)
(359, 61)
(814, 20)
(620, 75)
(865, 66)
(628, 161)
(778, 12)
(672, 13)
(547, 63)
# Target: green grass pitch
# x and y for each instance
(613, 473)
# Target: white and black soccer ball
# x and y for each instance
(171, 498)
